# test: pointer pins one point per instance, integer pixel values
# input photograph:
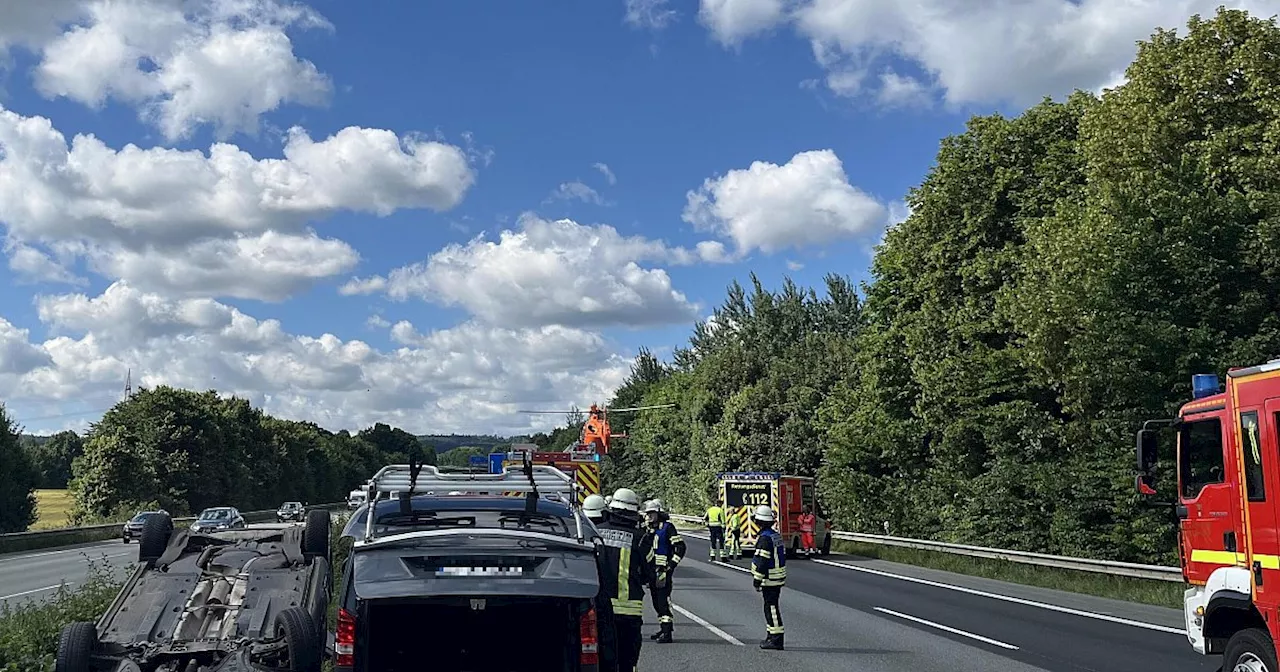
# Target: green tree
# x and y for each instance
(52, 458)
(17, 487)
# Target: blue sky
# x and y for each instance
(843, 103)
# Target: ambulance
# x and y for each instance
(786, 495)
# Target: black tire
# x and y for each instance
(154, 538)
(302, 636)
(1250, 644)
(76, 644)
(315, 536)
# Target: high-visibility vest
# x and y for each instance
(715, 516)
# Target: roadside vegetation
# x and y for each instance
(53, 509)
(1060, 277)
(29, 631)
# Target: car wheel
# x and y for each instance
(76, 644)
(154, 538)
(315, 536)
(300, 634)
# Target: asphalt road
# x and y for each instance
(848, 613)
(36, 575)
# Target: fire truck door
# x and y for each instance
(1258, 463)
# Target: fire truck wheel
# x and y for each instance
(1250, 650)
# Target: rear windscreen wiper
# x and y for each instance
(427, 520)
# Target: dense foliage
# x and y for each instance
(1061, 276)
(18, 479)
(51, 457)
(188, 450)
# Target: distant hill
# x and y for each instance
(446, 442)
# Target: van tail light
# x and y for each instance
(589, 635)
(344, 643)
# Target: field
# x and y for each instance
(53, 508)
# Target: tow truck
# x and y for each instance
(786, 495)
(1227, 501)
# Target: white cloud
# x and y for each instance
(470, 378)
(576, 190)
(732, 21)
(377, 322)
(794, 265)
(767, 207)
(33, 265)
(548, 272)
(655, 14)
(221, 222)
(975, 51)
(185, 64)
(902, 91)
(605, 170)
(33, 23)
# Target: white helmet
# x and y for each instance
(625, 499)
(763, 514)
(608, 499)
(593, 506)
(653, 506)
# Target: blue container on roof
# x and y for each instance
(1203, 385)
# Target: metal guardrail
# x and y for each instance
(79, 533)
(1109, 567)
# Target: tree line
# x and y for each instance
(1061, 276)
(185, 451)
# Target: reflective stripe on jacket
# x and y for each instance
(769, 566)
(715, 516)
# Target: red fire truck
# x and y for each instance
(1228, 496)
(786, 495)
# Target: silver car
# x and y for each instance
(218, 519)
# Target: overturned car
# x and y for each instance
(231, 601)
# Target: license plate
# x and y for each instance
(480, 571)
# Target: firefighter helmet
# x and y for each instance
(625, 499)
(593, 506)
(763, 514)
(653, 506)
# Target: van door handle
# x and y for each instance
(1257, 572)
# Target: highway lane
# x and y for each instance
(36, 575)
(821, 634)
(931, 602)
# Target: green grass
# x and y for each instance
(53, 509)
(1145, 591)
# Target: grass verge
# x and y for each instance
(29, 631)
(53, 509)
(1130, 589)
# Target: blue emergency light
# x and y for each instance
(1203, 385)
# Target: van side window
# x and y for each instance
(1255, 486)
(1200, 459)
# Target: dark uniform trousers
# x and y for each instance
(662, 601)
(772, 615)
(630, 638)
(717, 539)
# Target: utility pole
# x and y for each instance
(128, 383)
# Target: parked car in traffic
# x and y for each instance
(218, 518)
(290, 512)
(133, 527)
(254, 600)
(470, 566)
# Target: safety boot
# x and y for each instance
(772, 643)
(664, 636)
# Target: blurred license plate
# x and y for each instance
(480, 571)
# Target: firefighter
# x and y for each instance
(593, 507)
(808, 522)
(714, 520)
(769, 574)
(735, 520)
(624, 555)
(666, 550)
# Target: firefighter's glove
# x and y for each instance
(755, 583)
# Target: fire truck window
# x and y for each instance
(1254, 483)
(1200, 455)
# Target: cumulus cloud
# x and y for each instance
(548, 272)
(221, 222)
(807, 201)
(976, 51)
(183, 64)
(34, 265)
(469, 378)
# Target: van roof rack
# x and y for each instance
(414, 478)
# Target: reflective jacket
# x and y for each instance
(735, 522)
(808, 522)
(715, 516)
(667, 549)
(626, 571)
(769, 566)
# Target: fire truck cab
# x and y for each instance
(1227, 501)
(786, 495)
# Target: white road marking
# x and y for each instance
(33, 590)
(714, 630)
(25, 556)
(946, 628)
(1006, 598)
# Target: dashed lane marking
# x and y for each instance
(28, 592)
(947, 628)
(714, 630)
